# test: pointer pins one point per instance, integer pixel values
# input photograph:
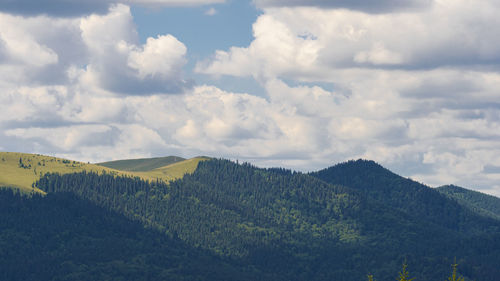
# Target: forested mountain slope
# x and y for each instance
(62, 237)
(413, 198)
(476, 201)
(299, 227)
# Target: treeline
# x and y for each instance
(286, 224)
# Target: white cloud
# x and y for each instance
(38, 50)
(118, 64)
(275, 46)
(378, 55)
(304, 42)
(416, 90)
(163, 57)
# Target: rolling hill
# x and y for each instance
(21, 170)
(141, 165)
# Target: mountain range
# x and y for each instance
(212, 219)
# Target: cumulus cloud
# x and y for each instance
(361, 5)
(306, 42)
(101, 51)
(118, 64)
(39, 50)
(414, 89)
(75, 8)
(159, 57)
(71, 86)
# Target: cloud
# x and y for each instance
(76, 8)
(414, 89)
(361, 5)
(159, 57)
(39, 50)
(118, 64)
(275, 46)
(101, 51)
(307, 43)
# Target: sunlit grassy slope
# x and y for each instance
(172, 171)
(142, 165)
(21, 170)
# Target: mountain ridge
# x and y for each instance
(476, 201)
(22, 170)
(413, 198)
(272, 218)
(339, 223)
(141, 164)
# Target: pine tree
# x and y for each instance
(404, 274)
(454, 273)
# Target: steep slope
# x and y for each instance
(413, 198)
(141, 165)
(290, 224)
(61, 237)
(478, 202)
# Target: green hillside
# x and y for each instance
(61, 237)
(478, 202)
(141, 165)
(412, 198)
(21, 170)
(299, 227)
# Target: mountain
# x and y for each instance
(141, 165)
(302, 227)
(239, 222)
(414, 199)
(478, 202)
(61, 237)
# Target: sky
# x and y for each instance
(411, 84)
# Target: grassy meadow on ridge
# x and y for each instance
(21, 170)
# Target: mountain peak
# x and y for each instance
(365, 170)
